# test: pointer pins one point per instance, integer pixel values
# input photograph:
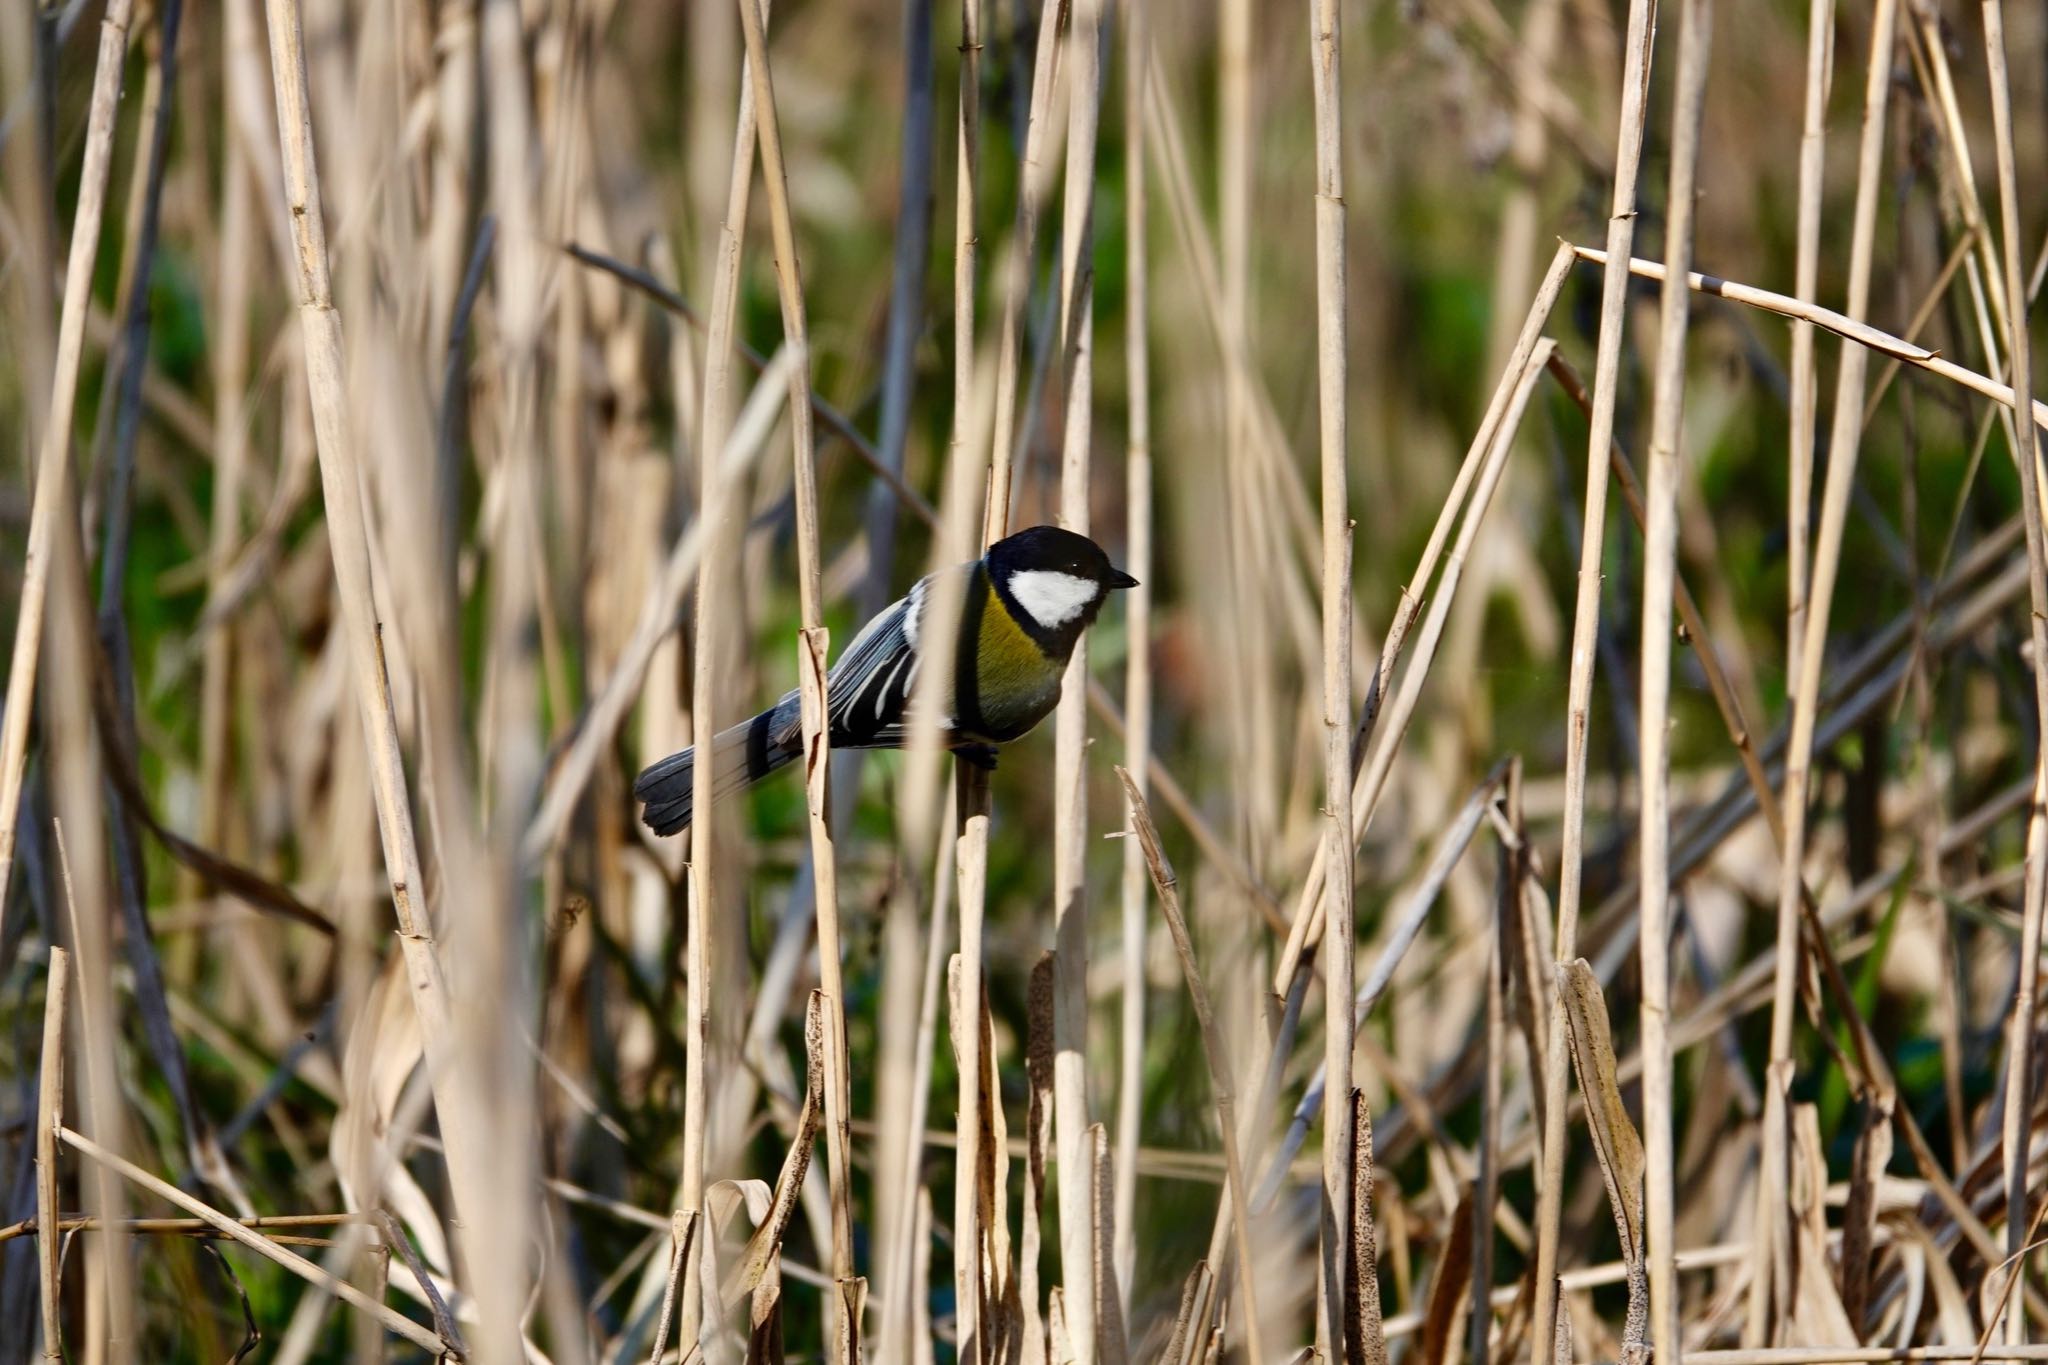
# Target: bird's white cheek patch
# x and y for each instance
(1051, 597)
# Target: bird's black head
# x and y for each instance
(1055, 578)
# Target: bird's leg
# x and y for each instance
(982, 756)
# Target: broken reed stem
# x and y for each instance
(52, 498)
(1138, 655)
(1843, 441)
(1070, 791)
(1334, 1290)
(1841, 324)
(813, 653)
(342, 482)
(1621, 226)
(1167, 887)
(2019, 1097)
(49, 1119)
(391, 1319)
(1660, 568)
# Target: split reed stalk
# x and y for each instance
(1335, 1291)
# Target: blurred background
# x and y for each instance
(528, 424)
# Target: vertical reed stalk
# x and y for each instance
(813, 651)
(52, 498)
(1070, 791)
(342, 482)
(1621, 226)
(1844, 437)
(49, 1118)
(1820, 65)
(2019, 1090)
(1660, 570)
(1334, 1289)
(1138, 659)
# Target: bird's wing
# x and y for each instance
(872, 683)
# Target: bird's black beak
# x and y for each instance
(1119, 579)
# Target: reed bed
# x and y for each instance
(1456, 916)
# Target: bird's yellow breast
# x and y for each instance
(1018, 684)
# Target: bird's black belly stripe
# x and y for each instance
(967, 716)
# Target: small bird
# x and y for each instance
(1024, 605)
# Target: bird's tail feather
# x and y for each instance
(741, 757)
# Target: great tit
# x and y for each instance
(1024, 605)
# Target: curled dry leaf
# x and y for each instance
(771, 1211)
(1615, 1141)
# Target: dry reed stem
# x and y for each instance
(813, 648)
(1660, 567)
(1820, 65)
(1070, 793)
(52, 497)
(348, 544)
(1843, 441)
(1635, 83)
(1842, 325)
(1306, 925)
(710, 649)
(2018, 1080)
(1042, 129)
(1335, 1291)
(1215, 1051)
(390, 1318)
(599, 726)
(1138, 659)
(49, 1119)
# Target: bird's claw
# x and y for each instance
(982, 756)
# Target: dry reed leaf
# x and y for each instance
(764, 1320)
(771, 1216)
(1954, 1323)
(1366, 1335)
(1817, 1316)
(384, 1048)
(1448, 1285)
(1038, 1052)
(1190, 1324)
(1615, 1141)
(1859, 1217)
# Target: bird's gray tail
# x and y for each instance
(741, 757)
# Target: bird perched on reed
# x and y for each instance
(1024, 604)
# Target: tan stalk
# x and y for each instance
(715, 510)
(49, 1119)
(348, 543)
(1214, 1051)
(1621, 226)
(813, 652)
(392, 1319)
(1660, 569)
(1138, 658)
(1334, 1289)
(1820, 65)
(52, 497)
(1843, 440)
(1841, 324)
(2019, 1084)
(1070, 774)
